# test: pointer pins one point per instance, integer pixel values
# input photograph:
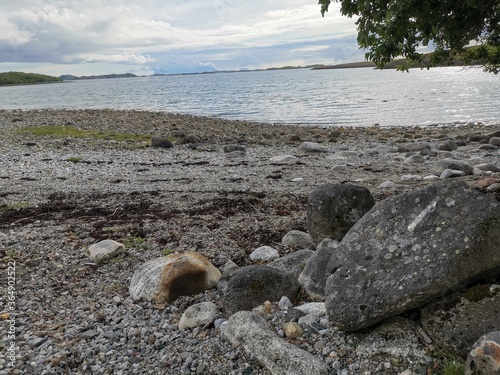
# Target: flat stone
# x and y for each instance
(104, 250)
(264, 253)
(199, 314)
(251, 332)
(450, 173)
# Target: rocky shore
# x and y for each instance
(219, 188)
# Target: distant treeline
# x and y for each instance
(70, 77)
(20, 78)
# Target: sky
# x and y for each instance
(94, 37)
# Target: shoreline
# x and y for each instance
(62, 193)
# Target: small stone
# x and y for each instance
(292, 330)
(159, 142)
(87, 335)
(319, 345)
(232, 148)
(387, 185)
(285, 303)
(229, 266)
(199, 314)
(493, 188)
(264, 253)
(297, 239)
(450, 173)
(410, 177)
(415, 159)
(308, 148)
(103, 250)
(494, 141)
(283, 159)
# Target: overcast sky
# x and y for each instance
(157, 36)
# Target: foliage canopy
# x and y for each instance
(393, 28)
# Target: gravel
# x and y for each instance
(60, 195)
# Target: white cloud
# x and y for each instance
(154, 31)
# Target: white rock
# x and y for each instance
(387, 185)
(252, 333)
(264, 253)
(336, 157)
(449, 173)
(283, 159)
(318, 308)
(104, 250)
(285, 303)
(410, 177)
(306, 148)
(414, 159)
(199, 314)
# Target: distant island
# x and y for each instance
(20, 78)
(70, 77)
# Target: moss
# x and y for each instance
(479, 292)
(74, 132)
(135, 242)
(14, 206)
(74, 159)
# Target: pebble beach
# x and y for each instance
(224, 189)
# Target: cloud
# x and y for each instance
(159, 33)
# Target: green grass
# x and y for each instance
(454, 367)
(74, 159)
(14, 206)
(167, 252)
(135, 242)
(74, 132)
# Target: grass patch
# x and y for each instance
(135, 242)
(14, 206)
(74, 159)
(74, 132)
(454, 366)
(167, 252)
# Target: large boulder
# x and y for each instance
(411, 249)
(249, 330)
(313, 277)
(456, 321)
(332, 209)
(167, 278)
(251, 286)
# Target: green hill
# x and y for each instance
(20, 78)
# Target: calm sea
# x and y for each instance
(347, 97)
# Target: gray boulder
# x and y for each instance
(251, 286)
(455, 322)
(332, 209)
(457, 165)
(250, 331)
(484, 358)
(293, 263)
(297, 239)
(313, 277)
(411, 249)
(160, 142)
(308, 148)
